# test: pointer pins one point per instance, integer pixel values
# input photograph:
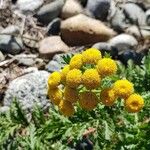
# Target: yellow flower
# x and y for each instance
(54, 80)
(91, 56)
(73, 78)
(134, 103)
(66, 108)
(91, 79)
(64, 73)
(106, 67)
(76, 62)
(88, 100)
(70, 94)
(123, 88)
(55, 95)
(108, 96)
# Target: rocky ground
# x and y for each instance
(35, 34)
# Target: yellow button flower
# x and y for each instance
(54, 80)
(134, 103)
(108, 96)
(66, 108)
(106, 67)
(55, 95)
(91, 56)
(73, 78)
(76, 61)
(88, 100)
(123, 88)
(91, 79)
(64, 73)
(70, 94)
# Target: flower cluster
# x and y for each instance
(80, 82)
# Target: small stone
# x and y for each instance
(123, 42)
(12, 29)
(148, 17)
(50, 11)
(52, 45)
(99, 8)
(2, 58)
(134, 13)
(54, 27)
(29, 5)
(53, 66)
(4, 109)
(10, 44)
(80, 30)
(71, 8)
(29, 90)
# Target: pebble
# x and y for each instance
(53, 66)
(49, 11)
(29, 90)
(52, 45)
(99, 8)
(81, 30)
(68, 11)
(2, 57)
(134, 13)
(12, 29)
(10, 44)
(4, 109)
(123, 42)
(54, 27)
(27, 6)
(148, 17)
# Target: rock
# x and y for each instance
(54, 27)
(4, 109)
(123, 42)
(99, 8)
(53, 66)
(135, 31)
(12, 29)
(148, 17)
(81, 30)
(71, 8)
(52, 45)
(10, 44)
(50, 11)
(27, 6)
(134, 13)
(2, 58)
(29, 90)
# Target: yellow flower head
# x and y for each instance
(54, 80)
(55, 95)
(76, 62)
(64, 73)
(134, 103)
(66, 108)
(73, 78)
(91, 56)
(123, 88)
(70, 94)
(91, 79)
(88, 100)
(108, 96)
(106, 67)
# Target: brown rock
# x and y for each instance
(51, 46)
(81, 30)
(71, 8)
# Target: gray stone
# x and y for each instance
(26, 61)
(4, 109)
(29, 90)
(99, 8)
(102, 46)
(54, 27)
(53, 66)
(27, 6)
(123, 42)
(2, 58)
(10, 44)
(50, 11)
(51, 46)
(148, 17)
(12, 29)
(134, 13)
